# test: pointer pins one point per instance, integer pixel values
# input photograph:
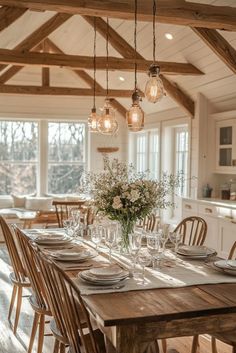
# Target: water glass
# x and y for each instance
(110, 239)
(144, 259)
(135, 243)
(176, 238)
(68, 226)
(155, 248)
(96, 235)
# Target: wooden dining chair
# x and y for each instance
(193, 229)
(226, 337)
(64, 209)
(18, 277)
(38, 300)
(150, 223)
(69, 310)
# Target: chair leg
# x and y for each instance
(13, 297)
(234, 349)
(62, 348)
(164, 345)
(56, 346)
(195, 344)
(18, 307)
(41, 333)
(213, 345)
(33, 331)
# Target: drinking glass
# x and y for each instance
(110, 238)
(96, 235)
(165, 234)
(68, 226)
(176, 238)
(144, 259)
(155, 247)
(135, 243)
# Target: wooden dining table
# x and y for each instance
(132, 320)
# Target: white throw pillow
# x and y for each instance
(6, 202)
(18, 201)
(38, 203)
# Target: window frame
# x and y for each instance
(42, 161)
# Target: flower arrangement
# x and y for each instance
(126, 196)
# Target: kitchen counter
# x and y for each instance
(214, 201)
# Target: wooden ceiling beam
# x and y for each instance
(62, 91)
(33, 40)
(175, 92)
(88, 79)
(219, 45)
(178, 12)
(23, 58)
(9, 15)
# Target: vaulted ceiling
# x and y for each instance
(212, 72)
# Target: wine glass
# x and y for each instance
(144, 259)
(96, 235)
(110, 238)
(155, 247)
(165, 234)
(135, 243)
(176, 238)
(68, 226)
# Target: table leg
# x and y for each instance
(127, 341)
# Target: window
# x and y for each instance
(66, 156)
(147, 153)
(41, 156)
(181, 157)
(18, 157)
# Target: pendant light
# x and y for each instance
(107, 124)
(93, 117)
(154, 90)
(135, 115)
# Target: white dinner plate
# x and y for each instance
(195, 252)
(107, 271)
(91, 279)
(224, 265)
(79, 257)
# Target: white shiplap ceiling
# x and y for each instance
(76, 37)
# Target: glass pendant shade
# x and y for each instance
(107, 124)
(154, 90)
(93, 121)
(135, 118)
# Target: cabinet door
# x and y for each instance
(226, 237)
(225, 146)
(212, 231)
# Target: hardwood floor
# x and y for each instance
(9, 343)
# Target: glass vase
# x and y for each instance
(127, 227)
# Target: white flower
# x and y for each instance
(117, 203)
(134, 195)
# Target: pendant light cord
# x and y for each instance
(135, 43)
(94, 63)
(154, 30)
(107, 53)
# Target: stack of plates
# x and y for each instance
(51, 239)
(195, 251)
(228, 266)
(104, 276)
(75, 254)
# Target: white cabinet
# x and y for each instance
(227, 236)
(226, 146)
(221, 223)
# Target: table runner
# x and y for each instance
(186, 272)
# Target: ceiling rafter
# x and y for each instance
(175, 92)
(219, 45)
(88, 79)
(33, 40)
(178, 12)
(9, 15)
(26, 58)
(60, 91)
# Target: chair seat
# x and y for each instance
(37, 307)
(227, 337)
(23, 282)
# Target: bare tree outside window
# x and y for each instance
(18, 157)
(66, 156)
